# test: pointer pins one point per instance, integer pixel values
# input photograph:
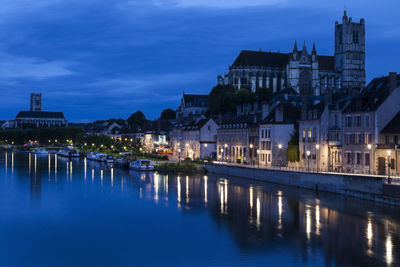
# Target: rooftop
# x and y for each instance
(40, 115)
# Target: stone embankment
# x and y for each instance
(367, 187)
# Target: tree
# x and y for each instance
(221, 99)
(264, 94)
(136, 120)
(244, 96)
(168, 114)
(292, 152)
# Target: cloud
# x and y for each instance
(14, 67)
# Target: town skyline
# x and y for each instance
(116, 72)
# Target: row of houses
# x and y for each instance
(340, 131)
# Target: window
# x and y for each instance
(262, 133)
(348, 121)
(340, 38)
(309, 133)
(367, 120)
(366, 160)
(348, 154)
(358, 121)
(358, 156)
(355, 37)
(386, 139)
(396, 139)
(304, 132)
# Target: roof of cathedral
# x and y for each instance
(40, 115)
(275, 60)
(393, 126)
(261, 59)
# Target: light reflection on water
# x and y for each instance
(260, 218)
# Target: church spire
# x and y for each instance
(304, 47)
(295, 47)
(314, 50)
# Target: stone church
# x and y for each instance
(305, 72)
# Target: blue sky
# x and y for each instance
(97, 59)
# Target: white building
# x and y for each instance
(275, 132)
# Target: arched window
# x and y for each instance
(305, 82)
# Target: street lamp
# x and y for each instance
(251, 153)
(280, 155)
(369, 163)
(388, 153)
(308, 160)
(222, 151)
(179, 151)
(317, 147)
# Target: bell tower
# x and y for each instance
(350, 52)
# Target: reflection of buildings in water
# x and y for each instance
(187, 189)
(35, 164)
(155, 182)
(12, 163)
(49, 164)
(178, 190)
(205, 178)
(6, 163)
(85, 169)
(308, 222)
(389, 253)
(55, 166)
(112, 176)
(92, 175)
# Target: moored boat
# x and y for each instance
(68, 152)
(141, 165)
(109, 159)
(100, 157)
(40, 151)
(91, 156)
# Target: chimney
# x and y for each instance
(392, 81)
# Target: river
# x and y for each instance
(55, 212)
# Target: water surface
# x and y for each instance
(55, 212)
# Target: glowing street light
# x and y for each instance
(280, 146)
(308, 160)
(369, 163)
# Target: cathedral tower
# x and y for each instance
(350, 52)
(36, 102)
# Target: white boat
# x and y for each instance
(68, 152)
(141, 165)
(40, 151)
(109, 159)
(100, 157)
(91, 156)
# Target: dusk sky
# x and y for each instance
(98, 59)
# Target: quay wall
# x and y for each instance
(358, 186)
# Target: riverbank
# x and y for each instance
(358, 186)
